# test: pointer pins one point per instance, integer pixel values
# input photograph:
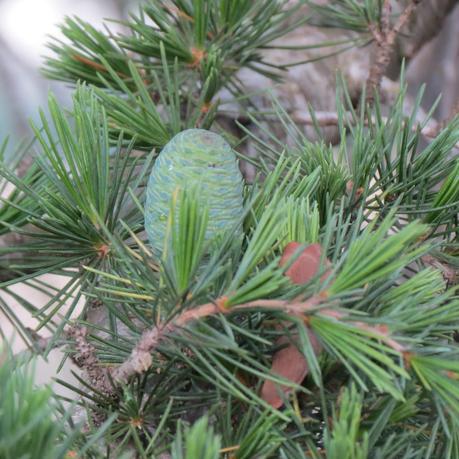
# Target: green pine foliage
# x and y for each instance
(203, 320)
(34, 423)
(27, 424)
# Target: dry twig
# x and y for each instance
(385, 36)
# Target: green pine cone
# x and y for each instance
(200, 159)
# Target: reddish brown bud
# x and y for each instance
(289, 363)
(306, 265)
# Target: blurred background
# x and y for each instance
(25, 27)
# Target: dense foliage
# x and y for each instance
(175, 348)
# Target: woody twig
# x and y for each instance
(140, 359)
(385, 35)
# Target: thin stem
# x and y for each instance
(385, 37)
(140, 359)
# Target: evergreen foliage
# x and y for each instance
(175, 368)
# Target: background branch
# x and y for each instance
(385, 36)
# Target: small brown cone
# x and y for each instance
(289, 362)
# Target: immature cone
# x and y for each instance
(194, 159)
(289, 362)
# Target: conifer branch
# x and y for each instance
(332, 119)
(385, 36)
(140, 359)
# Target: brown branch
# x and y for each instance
(140, 359)
(385, 37)
(327, 119)
(330, 119)
(86, 359)
(100, 67)
(89, 63)
(385, 17)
